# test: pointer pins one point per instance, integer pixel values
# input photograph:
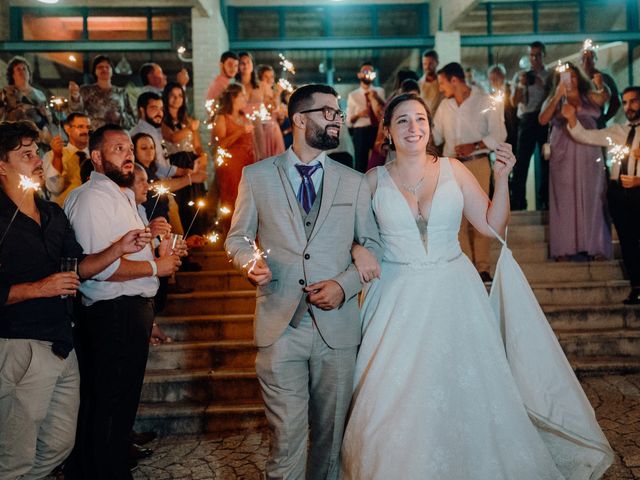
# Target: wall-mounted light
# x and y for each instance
(181, 51)
(48, 1)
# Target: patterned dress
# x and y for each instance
(104, 106)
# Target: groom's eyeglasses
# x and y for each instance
(329, 113)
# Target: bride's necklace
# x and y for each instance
(413, 190)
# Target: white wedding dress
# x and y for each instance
(434, 395)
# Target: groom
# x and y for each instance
(306, 211)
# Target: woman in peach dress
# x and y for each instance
(273, 139)
(234, 133)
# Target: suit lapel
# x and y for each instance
(330, 183)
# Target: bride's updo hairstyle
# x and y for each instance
(391, 107)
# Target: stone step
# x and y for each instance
(193, 418)
(535, 252)
(592, 317)
(208, 327)
(598, 366)
(202, 355)
(229, 280)
(207, 303)
(214, 280)
(600, 343)
(610, 292)
(221, 386)
(572, 271)
(531, 217)
(211, 259)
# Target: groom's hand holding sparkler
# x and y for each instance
(260, 274)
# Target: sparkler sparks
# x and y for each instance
(258, 254)
(261, 114)
(370, 75)
(617, 151)
(562, 67)
(588, 46)
(27, 185)
(160, 191)
(285, 84)
(496, 100)
(200, 203)
(221, 155)
(224, 211)
(213, 237)
(287, 65)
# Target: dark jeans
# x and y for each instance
(530, 134)
(113, 340)
(624, 207)
(363, 141)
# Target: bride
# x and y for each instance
(434, 396)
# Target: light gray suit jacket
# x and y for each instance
(267, 209)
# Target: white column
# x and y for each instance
(448, 47)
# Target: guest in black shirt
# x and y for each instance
(39, 377)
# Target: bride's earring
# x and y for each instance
(390, 139)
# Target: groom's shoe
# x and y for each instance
(633, 298)
(486, 277)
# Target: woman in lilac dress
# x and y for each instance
(578, 228)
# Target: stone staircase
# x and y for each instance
(205, 380)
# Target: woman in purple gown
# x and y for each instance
(578, 228)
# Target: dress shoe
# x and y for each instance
(176, 288)
(137, 452)
(142, 438)
(633, 298)
(486, 277)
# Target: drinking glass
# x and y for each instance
(68, 264)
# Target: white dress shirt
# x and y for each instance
(294, 176)
(164, 168)
(59, 184)
(100, 214)
(475, 119)
(356, 102)
(618, 135)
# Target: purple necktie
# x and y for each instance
(306, 192)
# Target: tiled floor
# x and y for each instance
(615, 398)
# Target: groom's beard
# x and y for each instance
(317, 137)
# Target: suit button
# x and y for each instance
(307, 256)
(308, 224)
(301, 281)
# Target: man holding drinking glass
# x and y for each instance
(113, 333)
(39, 379)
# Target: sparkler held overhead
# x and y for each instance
(287, 66)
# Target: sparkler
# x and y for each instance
(221, 154)
(588, 46)
(258, 254)
(617, 151)
(160, 191)
(57, 103)
(27, 185)
(370, 75)
(261, 114)
(200, 204)
(496, 100)
(224, 211)
(562, 67)
(213, 237)
(285, 85)
(287, 66)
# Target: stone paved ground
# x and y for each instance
(615, 398)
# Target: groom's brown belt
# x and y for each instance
(473, 157)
